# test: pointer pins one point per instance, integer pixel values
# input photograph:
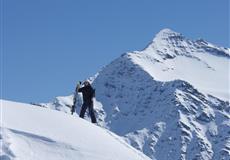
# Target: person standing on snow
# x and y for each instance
(88, 93)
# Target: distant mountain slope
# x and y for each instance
(34, 133)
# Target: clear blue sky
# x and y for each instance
(48, 45)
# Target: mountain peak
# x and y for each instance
(168, 33)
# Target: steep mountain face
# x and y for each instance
(171, 100)
(160, 99)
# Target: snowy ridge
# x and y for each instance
(170, 44)
(34, 135)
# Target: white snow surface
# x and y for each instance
(29, 132)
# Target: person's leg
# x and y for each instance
(92, 115)
(83, 109)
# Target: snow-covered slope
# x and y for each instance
(35, 133)
(171, 100)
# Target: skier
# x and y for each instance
(88, 93)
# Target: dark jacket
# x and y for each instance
(88, 94)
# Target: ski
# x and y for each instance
(73, 107)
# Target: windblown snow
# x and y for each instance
(34, 133)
